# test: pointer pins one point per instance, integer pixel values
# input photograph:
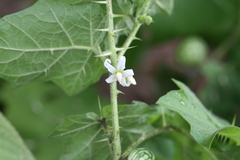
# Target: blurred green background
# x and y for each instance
(165, 52)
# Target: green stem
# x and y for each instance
(116, 144)
(111, 34)
(142, 11)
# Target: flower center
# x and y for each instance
(119, 76)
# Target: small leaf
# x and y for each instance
(11, 145)
(204, 124)
(53, 41)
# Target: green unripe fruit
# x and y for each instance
(192, 51)
(148, 20)
(141, 154)
(145, 19)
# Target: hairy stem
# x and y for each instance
(142, 11)
(116, 144)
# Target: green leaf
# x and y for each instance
(204, 124)
(53, 41)
(232, 154)
(74, 124)
(181, 146)
(44, 106)
(123, 7)
(231, 132)
(85, 133)
(88, 140)
(11, 145)
(165, 6)
(71, 1)
(132, 118)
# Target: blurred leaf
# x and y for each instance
(232, 154)
(37, 108)
(125, 23)
(71, 1)
(221, 92)
(165, 6)
(215, 24)
(213, 69)
(169, 117)
(11, 145)
(122, 7)
(174, 145)
(204, 124)
(52, 41)
(88, 139)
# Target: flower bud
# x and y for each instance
(131, 80)
(145, 19)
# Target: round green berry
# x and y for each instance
(192, 51)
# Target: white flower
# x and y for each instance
(124, 77)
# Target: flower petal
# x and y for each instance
(121, 63)
(107, 64)
(111, 79)
(128, 73)
(124, 83)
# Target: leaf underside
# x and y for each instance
(52, 41)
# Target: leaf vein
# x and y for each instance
(55, 16)
(23, 32)
(40, 71)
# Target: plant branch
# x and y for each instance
(142, 11)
